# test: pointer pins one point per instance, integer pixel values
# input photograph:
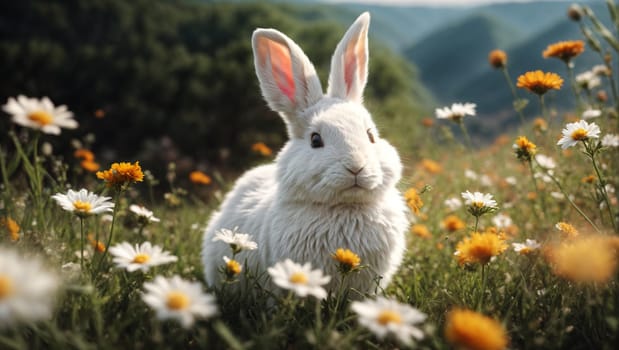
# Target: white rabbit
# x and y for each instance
(333, 185)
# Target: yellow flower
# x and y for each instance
(470, 330)
(98, 246)
(453, 223)
(588, 259)
(568, 230)
(421, 231)
(413, 200)
(198, 177)
(539, 82)
(479, 248)
(262, 149)
(565, 50)
(347, 259)
(121, 173)
(525, 149)
(11, 227)
(588, 179)
(497, 58)
(233, 267)
(431, 166)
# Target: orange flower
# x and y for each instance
(90, 166)
(421, 230)
(121, 173)
(99, 113)
(413, 200)
(84, 154)
(427, 122)
(348, 259)
(540, 125)
(470, 330)
(588, 179)
(453, 223)
(199, 178)
(497, 58)
(11, 226)
(431, 166)
(525, 149)
(567, 230)
(539, 82)
(98, 246)
(262, 149)
(479, 248)
(565, 50)
(589, 259)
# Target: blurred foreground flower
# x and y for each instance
(83, 202)
(176, 298)
(11, 226)
(144, 215)
(199, 178)
(27, 291)
(564, 50)
(39, 114)
(300, 279)
(347, 259)
(237, 241)
(470, 330)
(576, 132)
(140, 257)
(121, 174)
(588, 259)
(384, 316)
(456, 112)
(479, 248)
(262, 149)
(539, 82)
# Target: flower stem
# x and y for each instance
(109, 238)
(572, 203)
(484, 281)
(476, 222)
(81, 244)
(542, 198)
(514, 93)
(591, 153)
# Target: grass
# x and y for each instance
(543, 300)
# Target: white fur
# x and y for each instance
(305, 205)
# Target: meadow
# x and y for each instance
(512, 245)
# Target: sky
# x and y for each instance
(430, 2)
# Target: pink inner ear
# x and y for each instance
(350, 65)
(281, 66)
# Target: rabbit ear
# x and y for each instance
(349, 65)
(287, 78)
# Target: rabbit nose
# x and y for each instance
(355, 172)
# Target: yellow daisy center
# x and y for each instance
(82, 206)
(6, 287)
(387, 316)
(233, 267)
(298, 278)
(579, 134)
(177, 300)
(525, 251)
(478, 204)
(141, 258)
(41, 117)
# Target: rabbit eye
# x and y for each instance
(371, 136)
(316, 140)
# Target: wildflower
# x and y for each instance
(540, 124)
(568, 230)
(413, 200)
(83, 202)
(576, 132)
(525, 149)
(27, 290)
(199, 178)
(347, 260)
(237, 241)
(479, 203)
(39, 114)
(502, 221)
(11, 226)
(588, 259)
(144, 215)
(300, 279)
(98, 246)
(456, 112)
(565, 50)
(90, 166)
(176, 298)
(233, 267)
(539, 82)
(588, 80)
(431, 166)
(545, 162)
(470, 174)
(591, 113)
(421, 230)
(473, 331)
(479, 248)
(610, 140)
(589, 179)
(453, 223)
(84, 154)
(262, 149)
(427, 122)
(121, 173)
(140, 257)
(527, 247)
(384, 316)
(453, 203)
(497, 58)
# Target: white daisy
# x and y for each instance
(453, 203)
(601, 69)
(470, 174)
(545, 161)
(39, 114)
(143, 214)
(300, 279)
(576, 132)
(140, 257)
(479, 200)
(384, 316)
(527, 247)
(27, 290)
(588, 80)
(237, 241)
(610, 140)
(83, 202)
(176, 298)
(591, 113)
(502, 221)
(456, 112)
